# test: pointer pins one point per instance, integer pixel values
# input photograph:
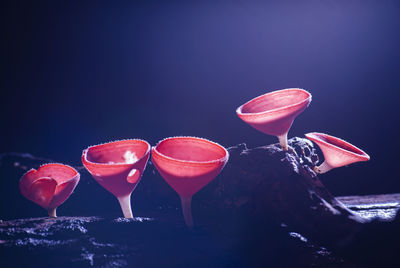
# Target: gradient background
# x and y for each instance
(77, 74)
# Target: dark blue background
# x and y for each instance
(76, 74)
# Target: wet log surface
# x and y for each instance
(266, 208)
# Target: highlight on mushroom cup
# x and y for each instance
(188, 164)
(118, 167)
(273, 113)
(337, 152)
(49, 186)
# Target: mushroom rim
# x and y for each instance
(314, 136)
(120, 164)
(157, 154)
(307, 99)
(44, 166)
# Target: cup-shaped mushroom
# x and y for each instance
(188, 164)
(337, 152)
(273, 113)
(49, 186)
(118, 167)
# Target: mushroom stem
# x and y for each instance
(323, 168)
(283, 141)
(52, 212)
(125, 203)
(187, 210)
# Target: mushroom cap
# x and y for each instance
(50, 185)
(188, 163)
(337, 152)
(117, 166)
(273, 113)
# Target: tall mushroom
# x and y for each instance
(273, 113)
(188, 164)
(118, 166)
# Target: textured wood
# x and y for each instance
(383, 207)
(265, 200)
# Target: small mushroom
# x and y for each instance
(118, 166)
(273, 113)
(188, 164)
(337, 152)
(49, 186)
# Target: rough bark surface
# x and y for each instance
(266, 183)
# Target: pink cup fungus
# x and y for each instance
(273, 113)
(337, 152)
(188, 164)
(118, 166)
(49, 186)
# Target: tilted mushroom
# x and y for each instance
(337, 152)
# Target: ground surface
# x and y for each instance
(250, 215)
(100, 242)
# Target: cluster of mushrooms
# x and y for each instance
(186, 163)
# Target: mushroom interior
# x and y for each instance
(120, 152)
(275, 100)
(339, 143)
(191, 149)
(60, 173)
